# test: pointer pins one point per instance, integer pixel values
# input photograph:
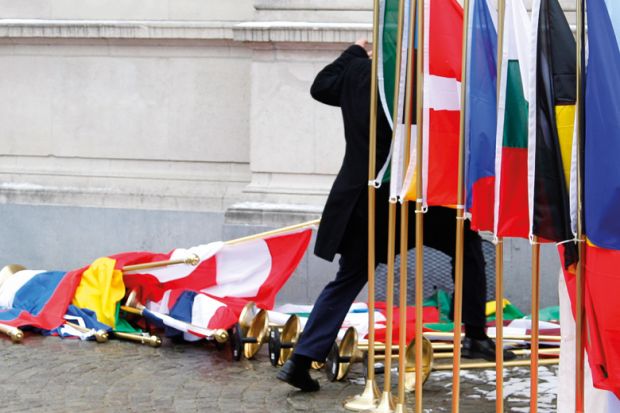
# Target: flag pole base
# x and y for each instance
(365, 401)
(386, 405)
(400, 408)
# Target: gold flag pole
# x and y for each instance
(386, 403)
(499, 246)
(404, 226)
(419, 211)
(192, 259)
(368, 398)
(15, 334)
(274, 232)
(460, 224)
(534, 342)
(579, 299)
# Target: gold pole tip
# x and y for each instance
(193, 259)
(154, 341)
(16, 335)
(221, 336)
(101, 336)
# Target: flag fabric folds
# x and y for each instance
(511, 216)
(101, 288)
(37, 298)
(227, 276)
(602, 194)
(481, 122)
(602, 175)
(443, 33)
(552, 118)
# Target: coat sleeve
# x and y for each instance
(327, 85)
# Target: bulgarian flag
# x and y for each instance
(511, 216)
(552, 118)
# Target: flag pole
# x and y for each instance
(368, 398)
(404, 226)
(579, 299)
(386, 403)
(278, 231)
(535, 310)
(499, 247)
(419, 210)
(460, 223)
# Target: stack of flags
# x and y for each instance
(189, 300)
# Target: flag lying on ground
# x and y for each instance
(226, 277)
(87, 319)
(511, 217)
(192, 315)
(552, 96)
(37, 298)
(100, 290)
(481, 122)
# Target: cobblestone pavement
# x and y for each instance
(47, 373)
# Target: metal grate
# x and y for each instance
(437, 273)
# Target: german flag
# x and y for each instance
(552, 119)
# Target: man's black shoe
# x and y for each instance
(297, 377)
(482, 349)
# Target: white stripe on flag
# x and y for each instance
(530, 81)
(241, 269)
(445, 93)
(13, 284)
(203, 310)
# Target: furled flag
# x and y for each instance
(552, 95)
(388, 43)
(227, 275)
(511, 215)
(602, 192)
(443, 25)
(481, 122)
(37, 298)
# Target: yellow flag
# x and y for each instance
(100, 289)
(491, 306)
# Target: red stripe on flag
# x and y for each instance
(445, 45)
(443, 157)
(286, 252)
(513, 213)
(483, 196)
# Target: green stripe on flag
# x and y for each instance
(390, 31)
(516, 118)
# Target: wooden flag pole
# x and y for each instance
(535, 310)
(386, 403)
(579, 298)
(499, 247)
(460, 223)
(404, 227)
(419, 212)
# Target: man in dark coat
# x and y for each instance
(345, 83)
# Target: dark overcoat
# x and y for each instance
(345, 83)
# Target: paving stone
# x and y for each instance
(54, 375)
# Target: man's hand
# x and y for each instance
(362, 42)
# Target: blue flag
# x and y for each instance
(481, 117)
(602, 140)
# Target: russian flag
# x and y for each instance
(37, 298)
